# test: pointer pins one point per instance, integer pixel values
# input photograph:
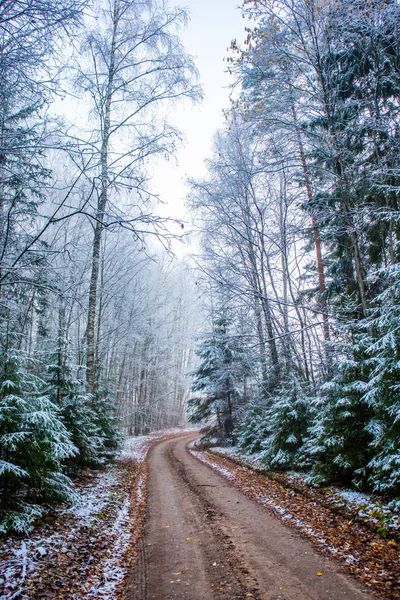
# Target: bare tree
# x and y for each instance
(133, 63)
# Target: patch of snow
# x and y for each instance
(20, 559)
(253, 461)
(93, 498)
(369, 507)
(280, 511)
(350, 560)
(228, 450)
(201, 456)
(136, 447)
(113, 573)
(296, 476)
(25, 555)
(352, 497)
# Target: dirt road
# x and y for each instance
(207, 541)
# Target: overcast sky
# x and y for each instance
(213, 24)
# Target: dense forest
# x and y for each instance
(94, 314)
(300, 256)
(297, 217)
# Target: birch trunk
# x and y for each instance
(102, 204)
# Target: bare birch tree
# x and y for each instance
(134, 68)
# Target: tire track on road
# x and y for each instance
(205, 540)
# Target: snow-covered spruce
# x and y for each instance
(93, 533)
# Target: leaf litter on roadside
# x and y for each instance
(334, 528)
(84, 550)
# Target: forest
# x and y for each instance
(281, 332)
(300, 226)
(94, 314)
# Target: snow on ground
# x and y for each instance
(136, 447)
(93, 534)
(376, 510)
(269, 501)
(264, 499)
(113, 571)
(368, 506)
(203, 457)
(253, 461)
(366, 545)
(21, 559)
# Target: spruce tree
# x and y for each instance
(34, 443)
(382, 341)
(289, 418)
(339, 440)
(67, 393)
(219, 379)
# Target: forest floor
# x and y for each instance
(209, 537)
(84, 550)
(360, 531)
(225, 532)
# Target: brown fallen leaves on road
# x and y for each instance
(364, 552)
(84, 550)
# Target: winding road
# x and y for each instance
(205, 540)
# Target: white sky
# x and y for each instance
(213, 24)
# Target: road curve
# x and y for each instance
(205, 540)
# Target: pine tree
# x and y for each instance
(67, 393)
(253, 427)
(219, 379)
(339, 440)
(382, 341)
(34, 442)
(289, 418)
(106, 420)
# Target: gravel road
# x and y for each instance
(205, 540)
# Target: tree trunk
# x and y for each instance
(102, 204)
(317, 239)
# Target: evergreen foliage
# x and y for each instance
(289, 418)
(106, 421)
(219, 378)
(276, 430)
(67, 393)
(254, 427)
(339, 442)
(34, 443)
(317, 125)
(78, 296)
(382, 340)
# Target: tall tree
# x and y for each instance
(220, 380)
(135, 64)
